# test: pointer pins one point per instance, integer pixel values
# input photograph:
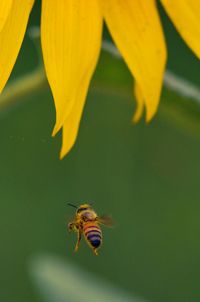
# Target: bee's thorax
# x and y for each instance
(88, 215)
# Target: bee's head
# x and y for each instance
(83, 207)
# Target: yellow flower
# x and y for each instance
(71, 40)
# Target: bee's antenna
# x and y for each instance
(72, 205)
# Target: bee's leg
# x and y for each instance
(78, 241)
(95, 252)
(72, 226)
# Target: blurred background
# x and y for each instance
(145, 176)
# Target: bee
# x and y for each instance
(87, 222)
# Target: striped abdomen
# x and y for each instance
(93, 234)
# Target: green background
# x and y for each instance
(146, 176)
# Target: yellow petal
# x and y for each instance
(11, 37)
(71, 32)
(5, 6)
(140, 104)
(136, 30)
(185, 14)
(71, 124)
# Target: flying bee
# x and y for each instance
(87, 222)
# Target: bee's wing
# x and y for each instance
(106, 220)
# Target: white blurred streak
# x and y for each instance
(181, 86)
(61, 281)
(172, 81)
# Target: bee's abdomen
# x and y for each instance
(93, 234)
